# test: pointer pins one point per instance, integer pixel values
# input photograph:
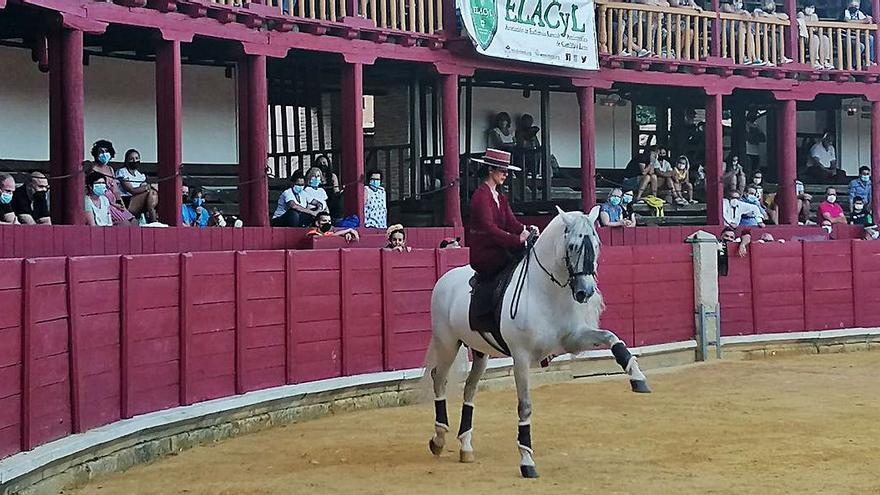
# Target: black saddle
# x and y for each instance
(487, 296)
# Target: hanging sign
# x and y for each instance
(552, 32)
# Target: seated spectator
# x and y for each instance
(293, 209)
(734, 178)
(323, 227)
(753, 219)
(97, 205)
(193, 210)
(861, 187)
(819, 43)
(450, 243)
(217, 218)
(804, 203)
(733, 210)
(830, 212)
(314, 195)
(822, 164)
(30, 201)
(332, 186)
(7, 189)
(870, 233)
(728, 234)
(638, 176)
(663, 170)
(102, 153)
(860, 214)
(648, 173)
(611, 213)
(768, 10)
(375, 208)
(138, 196)
(681, 182)
(629, 212)
(854, 14)
(397, 239)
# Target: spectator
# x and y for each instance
(734, 210)
(804, 203)
(734, 178)
(854, 14)
(830, 212)
(647, 173)
(323, 227)
(30, 201)
(629, 212)
(728, 234)
(861, 187)
(870, 233)
(375, 209)
(332, 186)
(96, 203)
(860, 214)
(397, 239)
(217, 218)
(7, 189)
(820, 44)
(102, 153)
(292, 209)
(500, 137)
(768, 10)
(822, 164)
(139, 197)
(527, 143)
(681, 182)
(194, 212)
(450, 243)
(753, 218)
(663, 170)
(313, 194)
(754, 137)
(611, 212)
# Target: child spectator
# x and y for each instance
(861, 187)
(324, 228)
(375, 206)
(860, 214)
(96, 203)
(7, 189)
(681, 182)
(194, 212)
(397, 239)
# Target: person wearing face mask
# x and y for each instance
(629, 212)
(323, 227)
(102, 153)
(194, 212)
(754, 217)
(314, 195)
(96, 202)
(820, 46)
(860, 214)
(375, 209)
(734, 177)
(138, 196)
(734, 210)
(830, 212)
(30, 201)
(854, 14)
(768, 10)
(292, 209)
(681, 182)
(611, 211)
(7, 189)
(861, 187)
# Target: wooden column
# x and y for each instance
(66, 122)
(875, 159)
(169, 117)
(875, 13)
(253, 108)
(587, 104)
(791, 31)
(450, 23)
(353, 138)
(787, 146)
(715, 48)
(451, 154)
(714, 160)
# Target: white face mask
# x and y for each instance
(831, 198)
(810, 10)
(858, 207)
(682, 166)
(734, 202)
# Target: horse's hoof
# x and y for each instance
(640, 386)
(466, 456)
(435, 449)
(528, 471)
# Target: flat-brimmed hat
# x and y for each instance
(497, 159)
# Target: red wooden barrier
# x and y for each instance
(866, 283)
(663, 292)
(11, 303)
(777, 287)
(315, 316)
(407, 282)
(735, 295)
(361, 291)
(616, 280)
(828, 285)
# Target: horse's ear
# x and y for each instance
(565, 218)
(593, 215)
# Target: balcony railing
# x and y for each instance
(642, 30)
(415, 16)
(839, 45)
(749, 40)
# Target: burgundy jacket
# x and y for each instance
(494, 231)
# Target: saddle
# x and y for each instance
(487, 297)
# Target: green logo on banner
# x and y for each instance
(485, 16)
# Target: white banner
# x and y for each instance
(552, 32)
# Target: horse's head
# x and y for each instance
(581, 244)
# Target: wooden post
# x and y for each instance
(875, 157)
(169, 116)
(353, 138)
(717, 33)
(875, 13)
(66, 122)
(253, 141)
(451, 152)
(790, 33)
(714, 162)
(787, 142)
(587, 104)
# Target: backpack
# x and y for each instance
(656, 203)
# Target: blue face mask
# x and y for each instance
(6, 198)
(198, 202)
(615, 200)
(104, 158)
(314, 182)
(866, 178)
(99, 189)
(375, 183)
(298, 189)
(627, 199)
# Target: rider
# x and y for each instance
(496, 236)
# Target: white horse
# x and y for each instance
(556, 310)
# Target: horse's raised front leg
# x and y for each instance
(524, 410)
(443, 358)
(587, 339)
(465, 431)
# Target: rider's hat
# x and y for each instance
(497, 159)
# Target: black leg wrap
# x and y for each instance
(525, 436)
(467, 418)
(440, 412)
(621, 354)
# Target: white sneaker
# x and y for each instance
(786, 60)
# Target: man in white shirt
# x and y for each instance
(734, 210)
(292, 209)
(822, 163)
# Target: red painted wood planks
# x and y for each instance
(10, 356)
(778, 287)
(828, 285)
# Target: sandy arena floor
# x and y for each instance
(801, 425)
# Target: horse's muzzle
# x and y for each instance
(582, 295)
